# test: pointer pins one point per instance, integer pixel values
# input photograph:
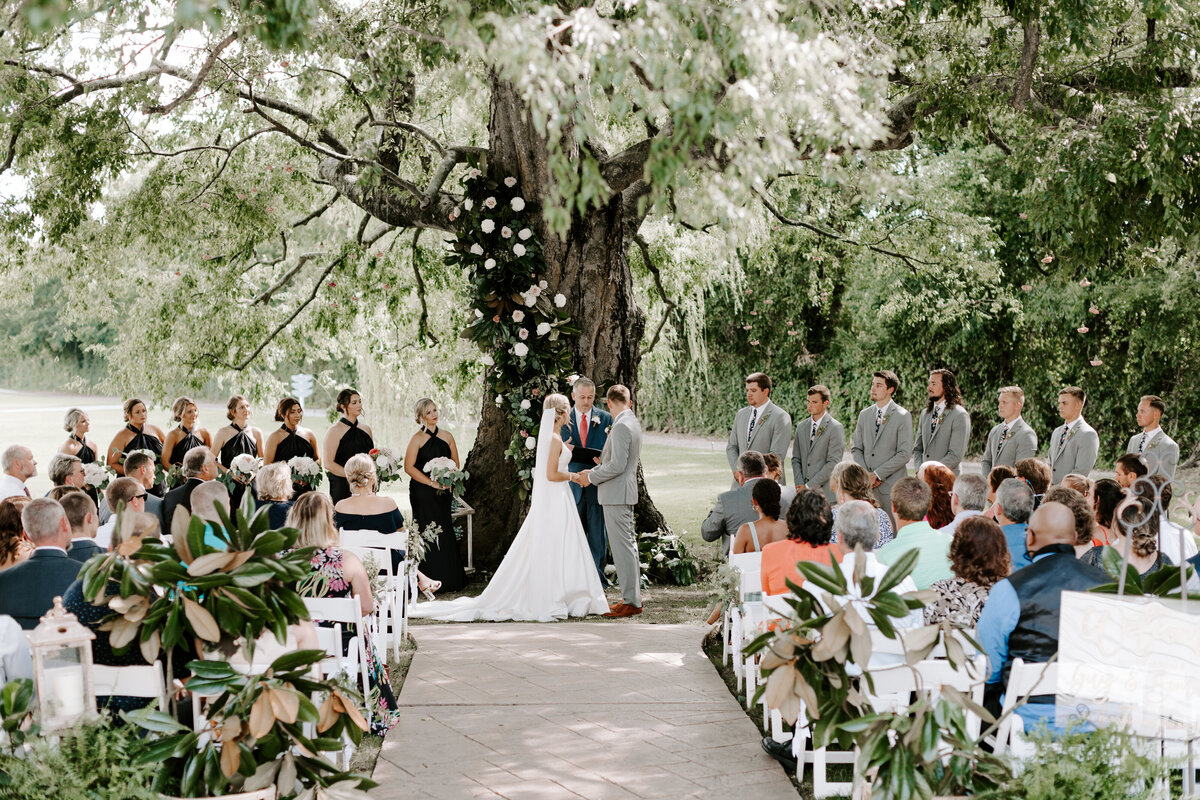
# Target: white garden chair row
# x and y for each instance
(399, 585)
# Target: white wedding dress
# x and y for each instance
(548, 572)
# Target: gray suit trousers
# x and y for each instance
(622, 540)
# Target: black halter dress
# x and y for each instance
(430, 506)
(354, 441)
(88, 456)
(294, 445)
(181, 447)
(145, 441)
(241, 443)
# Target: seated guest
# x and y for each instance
(1014, 504)
(998, 475)
(1107, 494)
(968, 499)
(851, 481)
(19, 466)
(809, 530)
(1079, 483)
(978, 557)
(1137, 520)
(205, 500)
(199, 465)
(121, 493)
(141, 467)
(910, 504)
(1171, 537)
(754, 536)
(84, 522)
(27, 590)
(1020, 619)
(940, 480)
(14, 546)
(1085, 518)
(1037, 474)
(1129, 469)
(59, 492)
(15, 659)
(775, 473)
(734, 507)
(273, 485)
(364, 510)
(66, 470)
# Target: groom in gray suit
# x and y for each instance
(819, 445)
(1074, 444)
(1013, 439)
(616, 489)
(761, 426)
(883, 439)
(945, 426)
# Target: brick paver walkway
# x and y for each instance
(570, 710)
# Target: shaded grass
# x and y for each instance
(367, 754)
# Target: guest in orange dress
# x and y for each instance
(810, 527)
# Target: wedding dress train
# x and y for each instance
(548, 572)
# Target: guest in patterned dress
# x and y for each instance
(978, 557)
(338, 574)
(850, 481)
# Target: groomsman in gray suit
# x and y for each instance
(1074, 444)
(883, 439)
(616, 489)
(1152, 445)
(761, 426)
(1013, 439)
(819, 445)
(945, 426)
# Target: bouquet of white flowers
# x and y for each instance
(242, 470)
(447, 474)
(96, 477)
(306, 471)
(388, 467)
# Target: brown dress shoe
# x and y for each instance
(616, 606)
(624, 611)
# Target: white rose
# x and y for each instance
(543, 328)
(519, 250)
(510, 182)
(525, 405)
(498, 400)
(487, 226)
(473, 173)
(530, 443)
(542, 285)
(520, 349)
(489, 203)
(506, 232)
(468, 204)
(489, 264)
(572, 378)
(524, 234)
(529, 300)
(478, 314)
(476, 250)
(523, 334)
(660, 557)
(518, 316)
(534, 290)
(487, 361)
(518, 204)
(560, 300)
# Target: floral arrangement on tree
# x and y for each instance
(242, 470)
(447, 474)
(306, 471)
(518, 319)
(388, 466)
(96, 477)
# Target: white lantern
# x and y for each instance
(62, 668)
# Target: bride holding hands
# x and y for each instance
(548, 572)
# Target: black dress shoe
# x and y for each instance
(780, 751)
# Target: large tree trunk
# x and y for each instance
(589, 266)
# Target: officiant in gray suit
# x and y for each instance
(819, 445)
(883, 439)
(616, 489)
(1074, 445)
(761, 426)
(1013, 439)
(945, 426)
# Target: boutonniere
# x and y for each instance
(821, 428)
(885, 419)
(607, 430)
(595, 421)
(1070, 435)
(763, 419)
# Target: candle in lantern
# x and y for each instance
(65, 688)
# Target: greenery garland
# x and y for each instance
(517, 321)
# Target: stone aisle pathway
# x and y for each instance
(602, 711)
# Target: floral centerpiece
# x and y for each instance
(242, 470)
(447, 474)
(96, 477)
(388, 466)
(306, 471)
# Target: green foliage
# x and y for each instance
(17, 704)
(1164, 582)
(665, 559)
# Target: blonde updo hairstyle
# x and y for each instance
(312, 515)
(360, 472)
(71, 421)
(421, 407)
(180, 406)
(558, 402)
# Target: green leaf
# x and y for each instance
(898, 571)
(153, 720)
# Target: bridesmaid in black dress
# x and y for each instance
(77, 425)
(431, 503)
(235, 439)
(344, 439)
(186, 435)
(136, 435)
(291, 440)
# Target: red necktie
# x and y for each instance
(27, 494)
(583, 433)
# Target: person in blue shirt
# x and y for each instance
(1014, 504)
(1021, 617)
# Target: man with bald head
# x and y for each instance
(1020, 619)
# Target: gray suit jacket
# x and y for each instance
(813, 464)
(1161, 453)
(885, 453)
(1022, 443)
(732, 511)
(616, 477)
(772, 434)
(1077, 454)
(947, 444)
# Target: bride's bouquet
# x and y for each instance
(96, 477)
(388, 467)
(242, 470)
(306, 471)
(447, 474)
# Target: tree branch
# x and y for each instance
(1029, 53)
(669, 304)
(205, 68)
(423, 322)
(401, 210)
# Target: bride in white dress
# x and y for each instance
(548, 572)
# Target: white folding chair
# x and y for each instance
(135, 681)
(1030, 679)
(345, 611)
(392, 613)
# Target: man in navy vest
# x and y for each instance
(588, 427)
(1020, 619)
